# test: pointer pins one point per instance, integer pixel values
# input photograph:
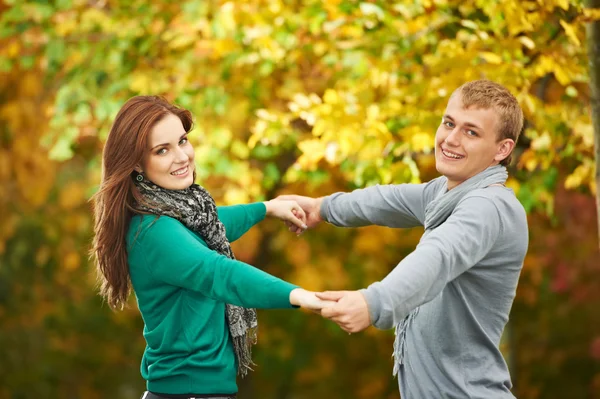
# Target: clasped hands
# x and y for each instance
(346, 308)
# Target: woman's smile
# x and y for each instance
(181, 172)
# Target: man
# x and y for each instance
(450, 298)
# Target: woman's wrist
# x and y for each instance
(269, 207)
(295, 296)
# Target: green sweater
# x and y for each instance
(182, 287)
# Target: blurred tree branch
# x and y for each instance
(593, 39)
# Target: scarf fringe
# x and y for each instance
(400, 341)
(242, 346)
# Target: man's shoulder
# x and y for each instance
(503, 198)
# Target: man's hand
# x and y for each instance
(310, 206)
(350, 312)
(308, 300)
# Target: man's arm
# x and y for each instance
(459, 243)
(399, 205)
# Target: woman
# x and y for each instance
(159, 232)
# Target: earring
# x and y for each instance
(139, 177)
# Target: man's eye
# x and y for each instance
(472, 133)
(449, 124)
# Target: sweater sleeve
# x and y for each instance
(175, 256)
(388, 205)
(238, 219)
(441, 256)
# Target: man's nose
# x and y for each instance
(453, 138)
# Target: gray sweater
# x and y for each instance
(462, 276)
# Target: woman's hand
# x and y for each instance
(308, 300)
(310, 206)
(287, 211)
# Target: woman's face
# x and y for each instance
(169, 160)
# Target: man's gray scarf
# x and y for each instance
(196, 209)
(436, 213)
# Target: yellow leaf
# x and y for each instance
(561, 75)
(12, 50)
(312, 151)
(491, 58)
(586, 132)
(564, 4)
(542, 142)
(331, 97)
(140, 82)
(224, 46)
(469, 24)
(513, 184)
(570, 32)
(184, 39)
(580, 175)
(235, 195)
(590, 14)
(527, 42)
(422, 142)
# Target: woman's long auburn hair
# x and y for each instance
(115, 201)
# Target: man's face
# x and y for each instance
(466, 142)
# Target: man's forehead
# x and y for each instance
(473, 115)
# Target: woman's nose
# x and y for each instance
(181, 156)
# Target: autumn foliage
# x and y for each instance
(305, 96)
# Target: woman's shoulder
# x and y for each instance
(153, 227)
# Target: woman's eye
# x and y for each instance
(183, 141)
(161, 151)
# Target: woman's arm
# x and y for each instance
(175, 256)
(238, 219)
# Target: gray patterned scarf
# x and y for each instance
(196, 209)
(436, 213)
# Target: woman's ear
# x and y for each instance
(138, 169)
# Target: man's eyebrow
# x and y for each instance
(166, 144)
(470, 124)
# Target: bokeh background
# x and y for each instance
(289, 96)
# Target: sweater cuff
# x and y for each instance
(281, 295)
(373, 304)
(382, 316)
(324, 210)
(258, 211)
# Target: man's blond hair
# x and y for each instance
(486, 94)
